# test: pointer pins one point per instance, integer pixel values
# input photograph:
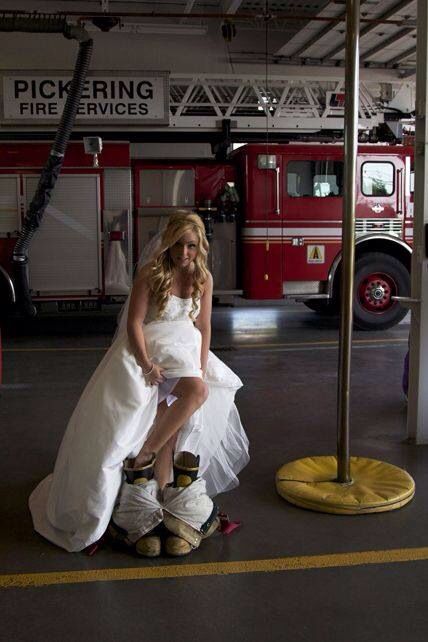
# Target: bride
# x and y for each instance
(157, 390)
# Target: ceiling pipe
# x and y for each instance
(244, 16)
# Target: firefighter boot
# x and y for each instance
(140, 475)
(190, 514)
(139, 514)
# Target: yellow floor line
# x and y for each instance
(340, 560)
(238, 346)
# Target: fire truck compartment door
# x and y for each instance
(159, 192)
(64, 254)
(9, 205)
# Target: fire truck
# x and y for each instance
(273, 214)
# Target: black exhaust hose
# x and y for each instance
(49, 176)
(41, 23)
(50, 23)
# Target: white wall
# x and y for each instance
(171, 150)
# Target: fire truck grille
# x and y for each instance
(391, 226)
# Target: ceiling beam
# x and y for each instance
(407, 73)
(385, 16)
(318, 36)
(405, 54)
(385, 43)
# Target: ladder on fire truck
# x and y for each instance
(287, 104)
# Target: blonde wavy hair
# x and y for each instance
(159, 273)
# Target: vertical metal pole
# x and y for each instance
(348, 236)
(417, 413)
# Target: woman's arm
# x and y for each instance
(203, 322)
(138, 306)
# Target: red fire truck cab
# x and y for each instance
(292, 226)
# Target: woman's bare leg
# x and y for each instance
(163, 466)
(191, 393)
(141, 459)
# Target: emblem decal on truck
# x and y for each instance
(316, 253)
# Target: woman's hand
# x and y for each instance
(155, 375)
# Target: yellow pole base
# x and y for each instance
(375, 487)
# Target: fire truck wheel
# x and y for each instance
(378, 277)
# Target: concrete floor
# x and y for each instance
(287, 358)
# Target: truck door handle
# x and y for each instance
(399, 191)
(277, 209)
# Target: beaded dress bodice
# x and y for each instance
(177, 309)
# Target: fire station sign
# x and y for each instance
(109, 98)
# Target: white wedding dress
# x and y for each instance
(72, 507)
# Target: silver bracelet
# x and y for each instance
(150, 371)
